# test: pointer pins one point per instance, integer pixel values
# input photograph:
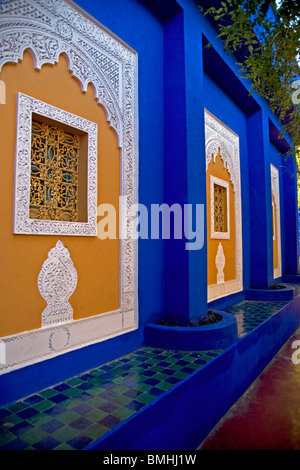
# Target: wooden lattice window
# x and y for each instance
(54, 173)
(220, 208)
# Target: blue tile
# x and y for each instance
(33, 399)
(27, 413)
(79, 442)
(81, 423)
(55, 410)
(82, 409)
(61, 387)
(16, 444)
(48, 443)
(108, 407)
(134, 405)
(151, 382)
(59, 398)
(4, 413)
(20, 428)
(51, 426)
(109, 421)
(155, 391)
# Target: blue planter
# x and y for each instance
(194, 338)
(287, 293)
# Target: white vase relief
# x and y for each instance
(220, 264)
(57, 281)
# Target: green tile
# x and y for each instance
(96, 415)
(95, 431)
(10, 421)
(164, 386)
(67, 417)
(39, 419)
(64, 446)
(160, 376)
(64, 434)
(145, 398)
(72, 392)
(123, 413)
(49, 393)
(18, 406)
(121, 400)
(43, 405)
(142, 387)
(33, 436)
(73, 382)
(6, 437)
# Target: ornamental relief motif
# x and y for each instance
(57, 281)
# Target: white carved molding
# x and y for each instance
(218, 137)
(57, 281)
(48, 28)
(23, 224)
(277, 272)
(213, 234)
(220, 264)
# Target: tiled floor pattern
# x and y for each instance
(72, 414)
(250, 313)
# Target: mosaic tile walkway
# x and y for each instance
(72, 414)
(250, 313)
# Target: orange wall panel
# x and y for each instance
(22, 256)
(216, 168)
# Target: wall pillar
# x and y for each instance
(290, 201)
(184, 174)
(261, 269)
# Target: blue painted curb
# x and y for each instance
(287, 293)
(194, 338)
(291, 278)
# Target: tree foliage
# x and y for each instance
(268, 35)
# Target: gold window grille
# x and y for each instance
(54, 173)
(220, 208)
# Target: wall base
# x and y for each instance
(196, 338)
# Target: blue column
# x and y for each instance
(261, 247)
(290, 200)
(184, 170)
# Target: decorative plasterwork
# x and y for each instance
(48, 28)
(277, 272)
(220, 264)
(219, 138)
(22, 223)
(57, 281)
(213, 234)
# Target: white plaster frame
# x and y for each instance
(277, 272)
(213, 234)
(48, 28)
(219, 137)
(23, 224)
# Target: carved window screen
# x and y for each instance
(54, 173)
(219, 208)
